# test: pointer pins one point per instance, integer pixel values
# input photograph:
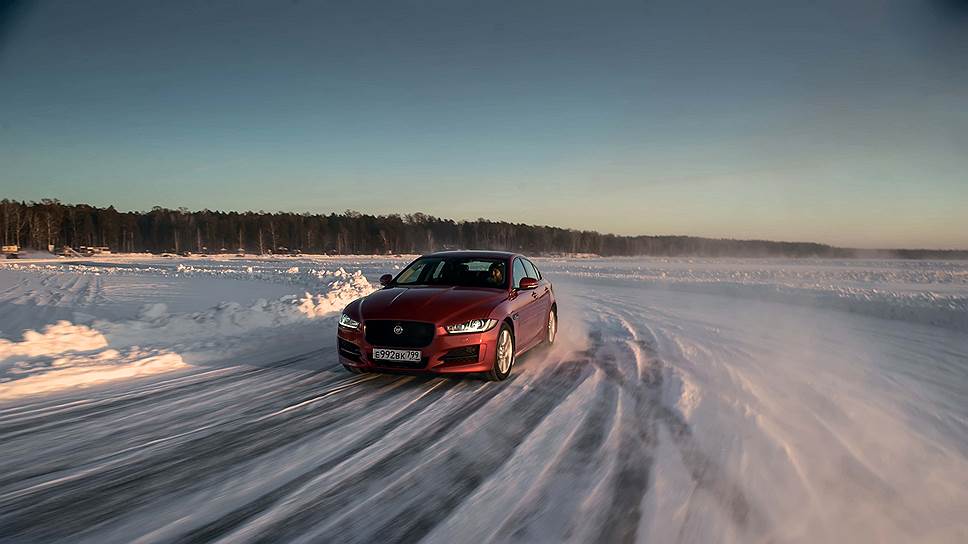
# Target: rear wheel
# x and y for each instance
(552, 331)
(503, 355)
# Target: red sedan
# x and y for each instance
(451, 312)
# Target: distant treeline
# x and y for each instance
(47, 223)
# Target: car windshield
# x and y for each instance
(455, 271)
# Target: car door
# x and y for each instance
(543, 294)
(526, 308)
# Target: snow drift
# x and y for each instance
(65, 354)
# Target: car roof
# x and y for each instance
(473, 253)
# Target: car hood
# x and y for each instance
(432, 304)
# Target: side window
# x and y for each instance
(412, 274)
(519, 273)
(531, 270)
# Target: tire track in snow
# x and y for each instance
(17, 286)
(651, 412)
(173, 415)
(243, 514)
(637, 440)
(414, 509)
(465, 466)
(705, 472)
(99, 494)
(584, 448)
(151, 395)
(120, 485)
(332, 496)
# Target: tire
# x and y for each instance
(353, 369)
(551, 331)
(499, 371)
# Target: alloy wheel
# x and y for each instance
(505, 351)
(552, 326)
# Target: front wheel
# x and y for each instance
(503, 355)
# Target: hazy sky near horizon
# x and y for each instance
(837, 121)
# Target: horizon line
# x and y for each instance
(402, 214)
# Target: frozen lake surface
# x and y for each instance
(686, 400)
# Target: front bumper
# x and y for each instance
(446, 354)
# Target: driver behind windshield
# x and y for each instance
(495, 275)
(465, 272)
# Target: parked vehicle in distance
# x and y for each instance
(451, 312)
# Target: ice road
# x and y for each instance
(199, 399)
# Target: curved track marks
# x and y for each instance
(411, 449)
(592, 440)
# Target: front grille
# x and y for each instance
(379, 332)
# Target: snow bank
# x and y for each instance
(61, 337)
(312, 278)
(155, 325)
(66, 355)
(344, 289)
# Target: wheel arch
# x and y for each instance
(510, 324)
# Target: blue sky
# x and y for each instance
(840, 122)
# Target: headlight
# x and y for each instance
(474, 325)
(348, 322)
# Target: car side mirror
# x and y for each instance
(386, 279)
(528, 283)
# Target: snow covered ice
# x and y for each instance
(686, 400)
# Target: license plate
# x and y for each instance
(408, 355)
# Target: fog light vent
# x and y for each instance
(465, 354)
(348, 349)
